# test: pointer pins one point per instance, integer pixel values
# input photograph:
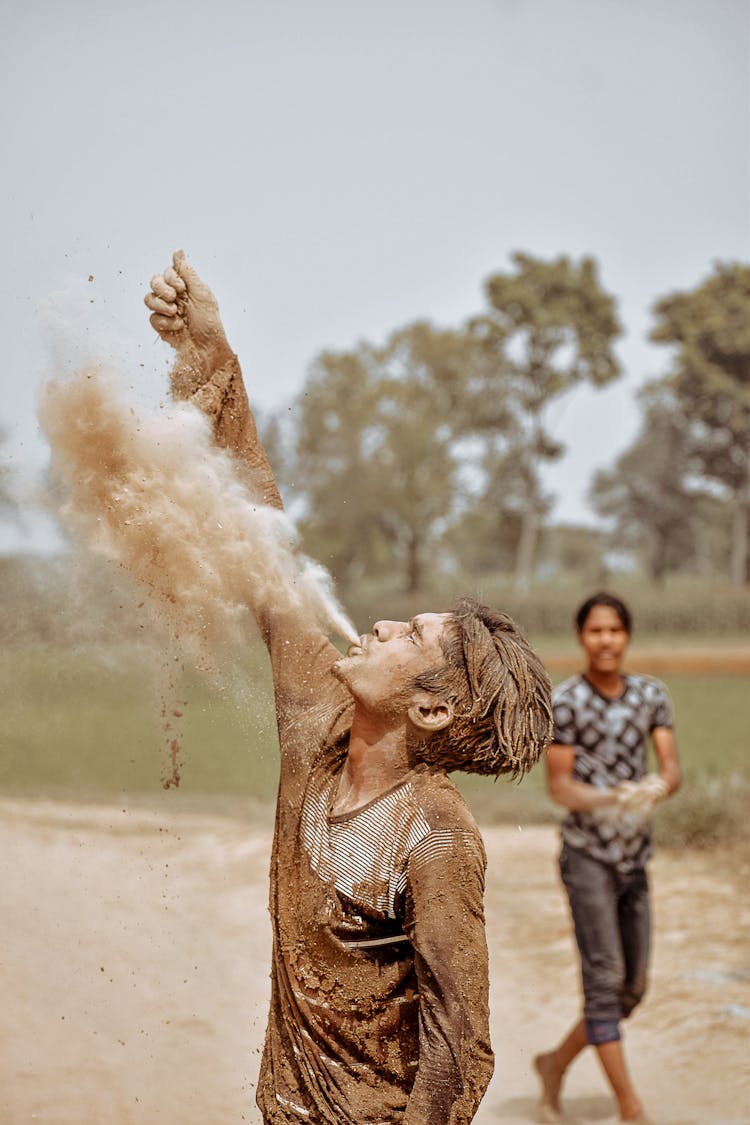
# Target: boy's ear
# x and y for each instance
(430, 713)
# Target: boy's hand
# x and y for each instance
(185, 311)
(641, 796)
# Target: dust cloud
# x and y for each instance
(149, 490)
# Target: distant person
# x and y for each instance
(597, 769)
(379, 980)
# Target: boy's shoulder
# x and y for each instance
(444, 807)
(649, 687)
(648, 684)
(574, 688)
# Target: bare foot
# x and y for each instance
(550, 1076)
(632, 1111)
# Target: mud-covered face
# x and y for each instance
(604, 639)
(380, 671)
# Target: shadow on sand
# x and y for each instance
(578, 1110)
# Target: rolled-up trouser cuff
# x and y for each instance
(602, 1031)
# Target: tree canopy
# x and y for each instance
(708, 329)
(426, 451)
(550, 326)
(652, 494)
(374, 459)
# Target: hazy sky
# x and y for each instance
(338, 169)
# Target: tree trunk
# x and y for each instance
(526, 549)
(413, 565)
(740, 531)
(658, 569)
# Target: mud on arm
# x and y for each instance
(207, 373)
(445, 924)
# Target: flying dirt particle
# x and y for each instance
(203, 572)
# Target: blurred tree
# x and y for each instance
(478, 426)
(550, 326)
(439, 434)
(443, 374)
(334, 438)
(485, 536)
(373, 459)
(415, 474)
(709, 328)
(649, 495)
(460, 373)
(574, 551)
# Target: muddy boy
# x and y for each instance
(379, 997)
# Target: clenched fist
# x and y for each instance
(185, 312)
(641, 796)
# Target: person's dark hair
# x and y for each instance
(500, 693)
(602, 598)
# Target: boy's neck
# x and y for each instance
(377, 759)
(608, 683)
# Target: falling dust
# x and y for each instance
(149, 490)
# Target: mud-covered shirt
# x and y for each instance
(379, 983)
(609, 737)
(379, 978)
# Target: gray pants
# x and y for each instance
(612, 925)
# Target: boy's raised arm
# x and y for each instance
(207, 373)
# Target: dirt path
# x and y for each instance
(134, 973)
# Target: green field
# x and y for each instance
(87, 723)
(89, 720)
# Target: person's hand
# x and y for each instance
(641, 796)
(184, 311)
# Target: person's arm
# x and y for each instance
(665, 748)
(641, 796)
(207, 373)
(565, 790)
(444, 920)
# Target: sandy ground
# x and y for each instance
(134, 973)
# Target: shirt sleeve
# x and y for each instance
(564, 717)
(444, 920)
(662, 714)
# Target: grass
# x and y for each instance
(87, 722)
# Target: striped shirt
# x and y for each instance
(364, 855)
(379, 984)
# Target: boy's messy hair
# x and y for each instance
(500, 693)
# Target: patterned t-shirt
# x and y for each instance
(609, 736)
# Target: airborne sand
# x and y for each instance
(151, 491)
